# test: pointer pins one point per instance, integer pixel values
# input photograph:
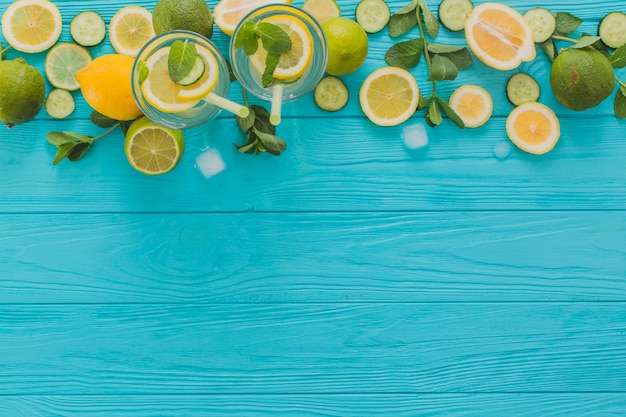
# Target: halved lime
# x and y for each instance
(62, 63)
(153, 149)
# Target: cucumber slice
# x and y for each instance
(372, 15)
(542, 23)
(612, 29)
(60, 103)
(88, 28)
(452, 13)
(331, 94)
(197, 71)
(522, 88)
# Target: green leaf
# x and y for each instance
(59, 138)
(271, 62)
(262, 121)
(271, 143)
(79, 138)
(231, 73)
(442, 69)
(423, 102)
(549, 48)
(124, 126)
(449, 111)
(250, 145)
(403, 20)
(585, 41)
(434, 117)
(405, 54)
(461, 58)
(181, 59)
(566, 23)
(618, 57)
(246, 123)
(275, 39)
(432, 24)
(78, 151)
(439, 48)
(143, 71)
(101, 120)
(62, 152)
(619, 104)
(246, 34)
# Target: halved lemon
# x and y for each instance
(533, 127)
(292, 64)
(207, 81)
(130, 29)
(389, 96)
(322, 10)
(473, 104)
(228, 13)
(31, 25)
(499, 36)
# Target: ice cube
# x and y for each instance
(210, 163)
(502, 150)
(415, 136)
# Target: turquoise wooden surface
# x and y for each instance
(350, 276)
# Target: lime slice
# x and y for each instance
(31, 25)
(130, 29)
(60, 104)
(153, 149)
(62, 63)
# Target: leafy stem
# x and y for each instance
(564, 38)
(427, 54)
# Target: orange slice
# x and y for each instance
(499, 36)
(228, 13)
(473, 104)
(533, 127)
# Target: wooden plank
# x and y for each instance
(312, 349)
(453, 405)
(292, 258)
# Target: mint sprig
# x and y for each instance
(181, 59)
(274, 40)
(260, 133)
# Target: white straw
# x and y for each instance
(277, 103)
(228, 105)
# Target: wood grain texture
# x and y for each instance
(451, 405)
(313, 348)
(307, 257)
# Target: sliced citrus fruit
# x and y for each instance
(207, 81)
(533, 127)
(130, 29)
(31, 25)
(228, 13)
(292, 64)
(62, 63)
(389, 96)
(153, 149)
(322, 10)
(499, 36)
(473, 104)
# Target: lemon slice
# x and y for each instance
(499, 36)
(207, 81)
(31, 25)
(533, 127)
(130, 29)
(63, 61)
(292, 64)
(153, 149)
(322, 10)
(389, 96)
(228, 13)
(473, 104)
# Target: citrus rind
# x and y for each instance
(473, 104)
(533, 127)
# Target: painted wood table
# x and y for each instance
(350, 276)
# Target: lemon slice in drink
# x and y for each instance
(295, 62)
(389, 96)
(228, 13)
(207, 81)
(62, 63)
(130, 29)
(322, 10)
(153, 149)
(31, 25)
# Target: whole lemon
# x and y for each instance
(106, 85)
(581, 78)
(347, 45)
(193, 15)
(22, 92)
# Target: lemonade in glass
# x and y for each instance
(298, 71)
(181, 106)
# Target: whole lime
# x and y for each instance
(22, 92)
(347, 45)
(581, 78)
(193, 15)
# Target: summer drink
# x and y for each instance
(298, 71)
(181, 106)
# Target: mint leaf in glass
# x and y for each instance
(181, 59)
